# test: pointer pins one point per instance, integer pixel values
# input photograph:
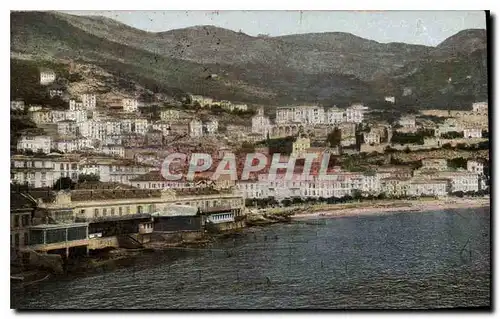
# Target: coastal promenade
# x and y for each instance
(380, 207)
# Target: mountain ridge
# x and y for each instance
(272, 70)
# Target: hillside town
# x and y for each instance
(91, 172)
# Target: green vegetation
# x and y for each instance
(452, 135)
(88, 178)
(457, 162)
(64, 183)
(411, 138)
(282, 145)
(334, 137)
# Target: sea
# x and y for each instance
(428, 260)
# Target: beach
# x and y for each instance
(380, 207)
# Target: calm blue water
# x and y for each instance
(397, 261)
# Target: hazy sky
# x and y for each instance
(418, 27)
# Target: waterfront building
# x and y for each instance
(427, 187)
(22, 209)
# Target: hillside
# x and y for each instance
(329, 68)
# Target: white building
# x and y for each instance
(113, 140)
(202, 100)
(36, 172)
(73, 145)
(113, 127)
(438, 164)
(89, 101)
(75, 105)
(355, 113)
(371, 184)
(390, 99)
(311, 115)
(113, 150)
(261, 123)
(427, 187)
(67, 128)
(141, 126)
(449, 125)
(371, 138)
(212, 126)
(162, 126)
(473, 133)
(460, 180)
(47, 77)
(195, 128)
(480, 107)
(17, 105)
(130, 105)
(408, 121)
(334, 115)
(93, 129)
(77, 115)
(348, 141)
(41, 117)
(169, 115)
(475, 166)
(40, 143)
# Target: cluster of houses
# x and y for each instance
(434, 178)
(83, 127)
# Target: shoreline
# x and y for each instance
(403, 206)
(123, 257)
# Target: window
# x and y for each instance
(62, 166)
(104, 212)
(120, 211)
(26, 239)
(16, 220)
(139, 209)
(96, 212)
(127, 209)
(112, 212)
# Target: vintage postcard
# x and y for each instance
(249, 160)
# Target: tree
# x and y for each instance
(457, 162)
(357, 194)
(63, 183)
(335, 137)
(286, 202)
(451, 135)
(88, 178)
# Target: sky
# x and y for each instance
(415, 27)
